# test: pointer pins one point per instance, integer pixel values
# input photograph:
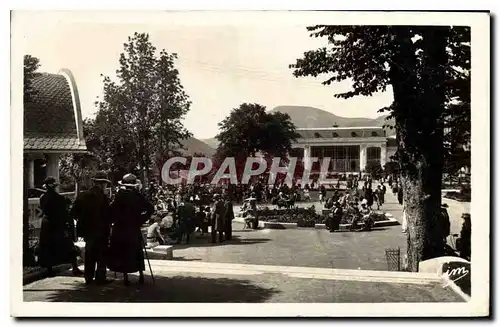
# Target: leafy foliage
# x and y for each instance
(249, 129)
(428, 69)
(374, 169)
(31, 65)
(139, 122)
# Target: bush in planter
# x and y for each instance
(305, 222)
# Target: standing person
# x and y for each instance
(322, 193)
(379, 195)
(57, 231)
(400, 193)
(369, 195)
(129, 211)
(91, 211)
(228, 217)
(217, 219)
(186, 213)
(444, 225)
(336, 217)
(464, 245)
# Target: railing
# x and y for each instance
(35, 213)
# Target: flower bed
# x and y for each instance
(304, 217)
(458, 196)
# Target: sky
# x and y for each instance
(221, 63)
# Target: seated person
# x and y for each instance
(366, 215)
(154, 236)
(307, 196)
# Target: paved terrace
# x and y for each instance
(197, 282)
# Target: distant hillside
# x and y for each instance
(211, 142)
(193, 145)
(316, 118)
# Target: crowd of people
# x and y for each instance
(112, 224)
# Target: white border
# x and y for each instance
(480, 171)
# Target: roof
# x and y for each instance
(52, 119)
(341, 132)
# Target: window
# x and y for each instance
(374, 134)
(353, 134)
(334, 134)
(317, 135)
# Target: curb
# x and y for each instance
(42, 273)
(391, 221)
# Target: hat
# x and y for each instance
(466, 215)
(129, 180)
(100, 176)
(216, 195)
(364, 202)
(49, 182)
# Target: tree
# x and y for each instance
(31, 65)
(139, 122)
(78, 167)
(422, 64)
(249, 130)
(374, 169)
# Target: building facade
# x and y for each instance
(52, 125)
(350, 149)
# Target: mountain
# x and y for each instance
(193, 145)
(311, 117)
(211, 142)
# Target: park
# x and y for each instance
(280, 203)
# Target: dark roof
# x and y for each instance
(49, 118)
(341, 132)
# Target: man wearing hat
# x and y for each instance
(57, 231)
(186, 214)
(228, 216)
(217, 219)
(91, 211)
(128, 212)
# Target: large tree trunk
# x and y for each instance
(417, 111)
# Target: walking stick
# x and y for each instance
(147, 258)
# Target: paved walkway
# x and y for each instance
(198, 282)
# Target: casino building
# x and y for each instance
(351, 149)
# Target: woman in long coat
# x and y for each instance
(129, 211)
(57, 231)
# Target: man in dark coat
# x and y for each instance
(334, 221)
(228, 217)
(186, 213)
(128, 212)
(91, 211)
(217, 219)
(400, 193)
(57, 231)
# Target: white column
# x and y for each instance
(53, 166)
(383, 154)
(307, 156)
(362, 157)
(31, 173)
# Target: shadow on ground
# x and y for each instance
(205, 241)
(165, 289)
